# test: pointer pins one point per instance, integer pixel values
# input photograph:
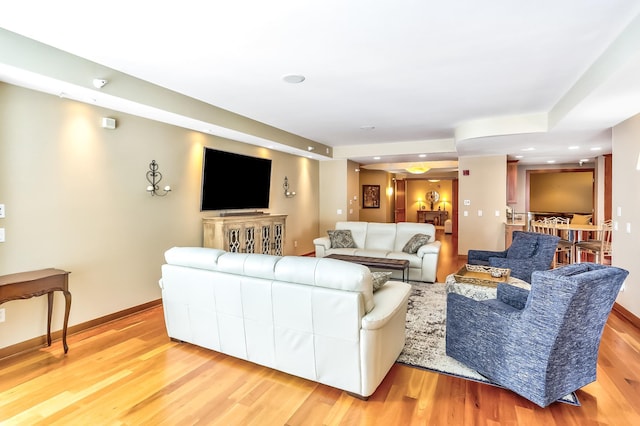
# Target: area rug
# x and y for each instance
(425, 342)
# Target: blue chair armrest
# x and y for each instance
(481, 257)
(512, 295)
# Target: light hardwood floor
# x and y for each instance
(129, 372)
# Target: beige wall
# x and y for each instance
(383, 214)
(522, 188)
(485, 188)
(333, 194)
(565, 192)
(626, 209)
(75, 199)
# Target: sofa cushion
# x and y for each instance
(380, 236)
(341, 238)
(194, 257)
(406, 230)
(415, 242)
(328, 273)
(378, 279)
(358, 231)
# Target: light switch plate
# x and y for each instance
(1, 210)
(1, 235)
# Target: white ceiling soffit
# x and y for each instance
(494, 77)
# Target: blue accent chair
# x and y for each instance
(529, 251)
(542, 344)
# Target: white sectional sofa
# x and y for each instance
(314, 318)
(387, 240)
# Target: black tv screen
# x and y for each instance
(234, 181)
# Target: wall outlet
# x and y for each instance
(1, 235)
(2, 315)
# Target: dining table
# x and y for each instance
(577, 231)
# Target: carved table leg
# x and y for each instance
(67, 308)
(49, 311)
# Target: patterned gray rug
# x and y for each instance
(425, 344)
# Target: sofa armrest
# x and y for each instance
(390, 299)
(322, 245)
(433, 247)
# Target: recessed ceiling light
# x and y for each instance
(519, 156)
(551, 161)
(584, 160)
(422, 155)
(367, 127)
(528, 149)
(596, 148)
(293, 78)
(376, 158)
(574, 147)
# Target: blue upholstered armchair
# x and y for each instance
(529, 251)
(542, 344)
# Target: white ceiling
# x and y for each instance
(461, 77)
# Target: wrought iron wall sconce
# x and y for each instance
(287, 193)
(154, 177)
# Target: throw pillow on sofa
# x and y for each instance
(379, 279)
(341, 238)
(415, 243)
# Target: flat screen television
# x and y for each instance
(234, 181)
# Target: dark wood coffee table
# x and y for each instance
(376, 262)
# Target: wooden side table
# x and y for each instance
(25, 285)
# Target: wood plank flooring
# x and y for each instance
(128, 372)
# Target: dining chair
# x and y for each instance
(565, 249)
(599, 247)
(566, 246)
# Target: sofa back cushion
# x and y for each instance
(194, 257)
(327, 273)
(311, 271)
(380, 236)
(358, 231)
(406, 230)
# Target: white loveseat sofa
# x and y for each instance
(387, 240)
(313, 318)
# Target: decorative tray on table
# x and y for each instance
(482, 275)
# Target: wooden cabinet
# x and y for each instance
(508, 232)
(512, 182)
(262, 234)
(437, 217)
